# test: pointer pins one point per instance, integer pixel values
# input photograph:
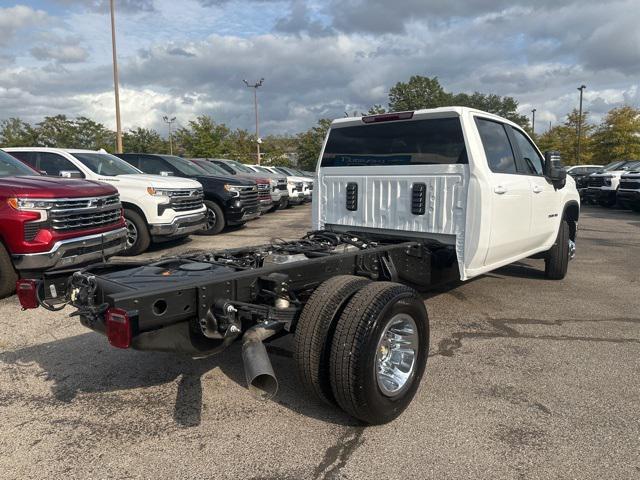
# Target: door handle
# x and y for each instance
(537, 189)
(500, 190)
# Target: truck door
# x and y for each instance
(510, 195)
(544, 198)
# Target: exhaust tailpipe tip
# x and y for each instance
(261, 379)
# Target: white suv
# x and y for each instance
(155, 207)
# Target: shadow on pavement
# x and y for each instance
(87, 364)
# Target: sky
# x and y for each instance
(319, 59)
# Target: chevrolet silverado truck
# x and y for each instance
(404, 202)
(264, 184)
(580, 174)
(229, 201)
(279, 192)
(602, 186)
(629, 190)
(297, 186)
(156, 208)
(49, 223)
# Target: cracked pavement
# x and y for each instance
(527, 378)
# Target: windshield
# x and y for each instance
(240, 167)
(416, 142)
(11, 166)
(105, 164)
(262, 169)
(211, 168)
(185, 166)
(285, 171)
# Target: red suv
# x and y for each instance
(51, 223)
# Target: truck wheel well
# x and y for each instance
(135, 208)
(571, 215)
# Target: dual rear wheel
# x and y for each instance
(363, 345)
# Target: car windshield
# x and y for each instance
(185, 166)
(613, 165)
(262, 169)
(11, 166)
(105, 164)
(240, 167)
(210, 168)
(631, 166)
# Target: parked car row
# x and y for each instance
(615, 184)
(60, 208)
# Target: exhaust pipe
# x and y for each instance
(261, 380)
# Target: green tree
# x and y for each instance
(310, 144)
(17, 133)
(92, 135)
(144, 140)
(202, 138)
(618, 136)
(57, 131)
(426, 92)
(419, 92)
(564, 139)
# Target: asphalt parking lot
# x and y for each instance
(527, 378)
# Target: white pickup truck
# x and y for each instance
(156, 207)
(404, 202)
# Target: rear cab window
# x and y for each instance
(434, 141)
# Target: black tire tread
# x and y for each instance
(349, 340)
(556, 263)
(313, 332)
(221, 221)
(144, 238)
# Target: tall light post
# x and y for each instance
(581, 88)
(169, 121)
(115, 79)
(255, 87)
(533, 123)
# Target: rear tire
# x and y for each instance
(215, 219)
(557, 261)
(366, 363)
(138, 238)
(312, 343)
(8, 275)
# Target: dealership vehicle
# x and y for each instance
(307, 180)
(603, 185)
(580, 174)
(629, 190)
(279, 192)
(298, 187)
(229, 200)
(155, 207)
(265, 185)
(404, 201)
(53, 223)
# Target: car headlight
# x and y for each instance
(159, 192)
(291, 183)
(234, 190)
(29, 204)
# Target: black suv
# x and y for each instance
(229, 200)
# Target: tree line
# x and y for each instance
(616, 137)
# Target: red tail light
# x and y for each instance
(118, 327)
(27, 290)
(387, 117)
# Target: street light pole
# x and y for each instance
(115, 79)
(581, 88)
(533, 123)
(255, 87)
(169, 121)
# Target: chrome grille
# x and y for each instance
(85, 213)
(282, 183)
(185, 200)
(264, 191)
(596, 181)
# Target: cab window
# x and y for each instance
(533, 162)
(497, 146)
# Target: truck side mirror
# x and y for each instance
(71, 174)
(553, 169)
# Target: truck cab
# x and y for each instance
(155, 207)
(456, 176)
(229, 200)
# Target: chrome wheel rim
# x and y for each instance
(132, 233)
(572, 249)
(212, 219)
(396, 355)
